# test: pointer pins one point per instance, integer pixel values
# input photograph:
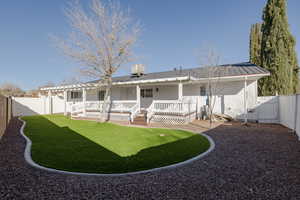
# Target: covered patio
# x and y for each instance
(152, 100)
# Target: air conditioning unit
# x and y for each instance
(138, 70)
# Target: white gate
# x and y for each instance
(266, 110)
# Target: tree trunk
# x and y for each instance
(107, 101)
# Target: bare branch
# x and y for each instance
(101, 40)
(210, 61)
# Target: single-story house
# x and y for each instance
(176, 96)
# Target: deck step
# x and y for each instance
(140, 120)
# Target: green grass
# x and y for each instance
(85, 146)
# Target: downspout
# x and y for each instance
(245, 102)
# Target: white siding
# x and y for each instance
(230, 96)
(118, 93)
(162, 92)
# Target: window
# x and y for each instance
(147, 93)
(101, 95)
(76, 95)
(202, 91)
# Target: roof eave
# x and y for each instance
(161, 80)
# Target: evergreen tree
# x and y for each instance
(278, 51)
(255, 44)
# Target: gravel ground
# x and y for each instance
(257, 162)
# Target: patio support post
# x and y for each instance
(245, 102)
(138, 96)
(84, 101)
(50, 101)
(65, 102)
(180, 91)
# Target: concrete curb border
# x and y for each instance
(27, 156)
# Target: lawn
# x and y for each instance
(86, 146)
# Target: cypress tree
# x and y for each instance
(278, 53)
(255, 44)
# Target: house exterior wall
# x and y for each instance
(230, 94)
(230, 98)
(160, 92)
(118, 93)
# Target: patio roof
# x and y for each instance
(200, 72)
(229, 71)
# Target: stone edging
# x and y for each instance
(27, 155)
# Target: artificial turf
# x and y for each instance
(86, 146)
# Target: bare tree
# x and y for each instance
(10, 89)
(101, 41)
(210, 61)
(70, 81)
(47, 84)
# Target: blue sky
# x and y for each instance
(173, 33)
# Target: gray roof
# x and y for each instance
(239, 69)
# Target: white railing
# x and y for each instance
(168, 107)
(172, 107)
(122, 106)
(94, 106)
(97, 106)
(150, 112)
(134, 111)
(77, 108)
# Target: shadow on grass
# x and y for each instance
(64, 149)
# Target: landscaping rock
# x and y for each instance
(256, 162)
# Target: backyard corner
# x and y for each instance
(91, 147)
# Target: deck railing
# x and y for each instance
(97, 106)
(134, 111)
(171, 108)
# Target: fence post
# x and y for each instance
(296, 114)
(278, 113)
(11, 108)
(245, 101)
(189, 111)
(6, 112)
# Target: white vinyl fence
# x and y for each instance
(26, 106)
(278, 109)
(271, 109)
(289, 109)
(266, 110)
